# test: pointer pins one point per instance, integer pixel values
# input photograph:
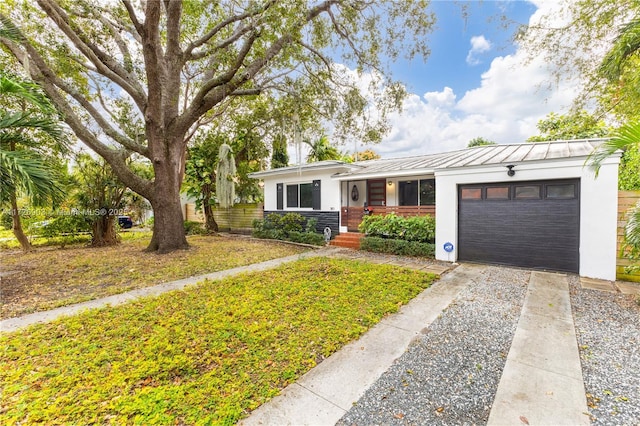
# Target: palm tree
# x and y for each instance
(625, 46)
(322, 150)
(25, 137)
(620, 56)
(623, 138)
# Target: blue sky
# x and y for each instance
(451, 63)
(476, 82)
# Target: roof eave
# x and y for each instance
(386, 174)
(303, 168)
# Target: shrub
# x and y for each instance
(194, 228)
(421, 229)
(396, 246)
(307, 238)
(6, 221)
(288, 227)
(66, 225)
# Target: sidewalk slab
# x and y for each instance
(540, 399)
(628, 287)
(542, 380)
(342, 379)
(595, 284)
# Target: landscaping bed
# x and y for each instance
(209, 354)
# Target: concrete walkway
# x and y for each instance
(324, 394)
(541, 383)
(542, 380)
(13, 324)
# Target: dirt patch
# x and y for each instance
(47, 278)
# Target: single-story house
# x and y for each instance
(533, 205)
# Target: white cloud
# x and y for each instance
(479, 45)
(513, 95)
(443, 99)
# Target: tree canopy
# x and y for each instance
(479, 141)
(594, 41)
(143, 77)
(576, 125)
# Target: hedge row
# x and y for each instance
(421, 229)
(399, 247)
(289, 227)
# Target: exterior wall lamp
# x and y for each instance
(390, 183)
(511, 172)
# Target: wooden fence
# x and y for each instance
(352, 216)
(238, 218)
(626, 200)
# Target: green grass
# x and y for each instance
(206, 355)
(62, 241)
(50, 277)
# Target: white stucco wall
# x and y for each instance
(329, 189)
(347, 187)
(598, 206)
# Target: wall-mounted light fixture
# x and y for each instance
(511, 172)
(261, 184)
(390, 183)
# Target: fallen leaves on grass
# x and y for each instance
(49, 278)
(207, 354)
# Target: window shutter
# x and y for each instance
(280, 195)
(316, 195)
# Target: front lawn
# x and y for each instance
(50, 277)
(208, 354)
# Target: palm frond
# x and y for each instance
(28, 91)
(13, 127)
(22, 172)
(621, 138)
(625, 45)
(9, 31)
(632, 229)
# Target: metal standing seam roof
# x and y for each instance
(477, 156)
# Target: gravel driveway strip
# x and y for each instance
(608, 333)
(451, 373)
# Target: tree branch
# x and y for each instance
(134, 19)
(122, 45)
(215, 90)
(104, 63)
(152, 51)
(46, 75)
(223, 44)
(215, 30)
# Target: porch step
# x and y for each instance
(347, 240)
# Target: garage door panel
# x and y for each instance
(541, 233)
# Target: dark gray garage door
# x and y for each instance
(528, 224)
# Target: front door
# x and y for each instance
(376, 192)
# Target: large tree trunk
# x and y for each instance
(168, 222)
(17, 224)
(168, 226)
(104, 232)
